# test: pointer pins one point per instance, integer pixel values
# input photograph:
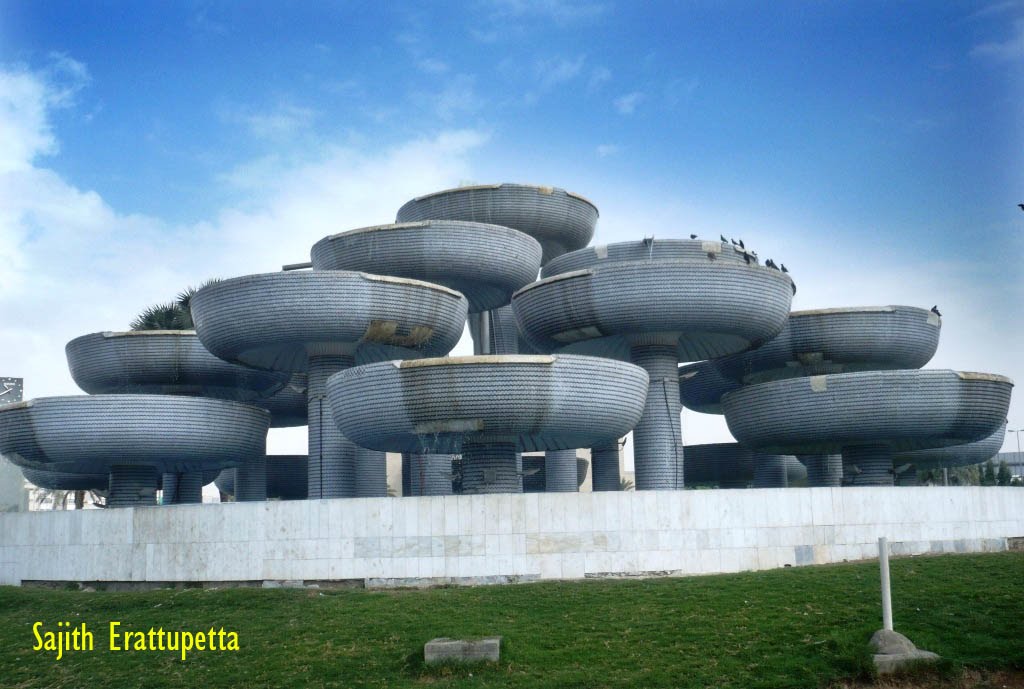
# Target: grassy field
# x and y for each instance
(798, 627)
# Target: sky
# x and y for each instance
(873, 147)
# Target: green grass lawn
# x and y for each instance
(795, 627)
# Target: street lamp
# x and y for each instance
(1020, 460)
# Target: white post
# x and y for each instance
(883, 561)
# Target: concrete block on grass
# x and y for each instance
(445, 650)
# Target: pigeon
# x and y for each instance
(741, 244)
(724, 240)
(784, 270)
(733, 242)
(693, 236)
(1020, 206)
(770, 264)
(935, 310)
(746, 257)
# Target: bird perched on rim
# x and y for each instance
(770, 264)
(733, 241)
(784, 269)
(724, 240)
(935, 310)
(693, 236)
(746, 257)
(741, 243)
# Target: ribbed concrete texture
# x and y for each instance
(560, 471)
(906, 410)
(823, 470)
(88, 434)
(604, 462)
(131, 486)
(429, 474)
(275, 321)
(486, 263)
(163, 362)
(371, 473)
(868, 465)
(251, 480)
(955, 455)
(657, 438)
(840, 340)
(530, 403)
(406, 474)
(646, 251)
(288, 406)
(504, 331)
(182, 488)
(702, 386)
(332, 456)
(561, 221)
(285, 477)
(490, 468)
(56, 480)
(709, 307)
(770, 471)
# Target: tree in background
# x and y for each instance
(988, 474)
(1003, 476)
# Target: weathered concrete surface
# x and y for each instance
(894, 652)
(444, 650)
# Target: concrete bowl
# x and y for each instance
(560, 220)
(486, 263)
(533, 402)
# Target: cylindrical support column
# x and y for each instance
(770, 471)
(657, 439)
(560, 471)
(251, 480)
(490, 468)
(504, 331)
(823, 470)
(331, 454)
(430, 474)
(868, 465)
(169, 488)
(131, 485)
(604, 467)
(883, 562)
(406, 475)
(189, 488)
(371, 473)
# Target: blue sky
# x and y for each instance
(875, 147)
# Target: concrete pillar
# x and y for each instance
(868, 465)
(490, 468)
(371, 473)
(657, 439)
(251, 480)
(560, 471)
(604, 467)
(823, 470)
(770, 471)
(331, 454)
(131, 485)
(430, 474)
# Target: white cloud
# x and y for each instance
(457, 97)
(281, 122)
(554, 71)
(1008, 50)
(626, 105)
(605, 150)
(432, 65)
(73, 264)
